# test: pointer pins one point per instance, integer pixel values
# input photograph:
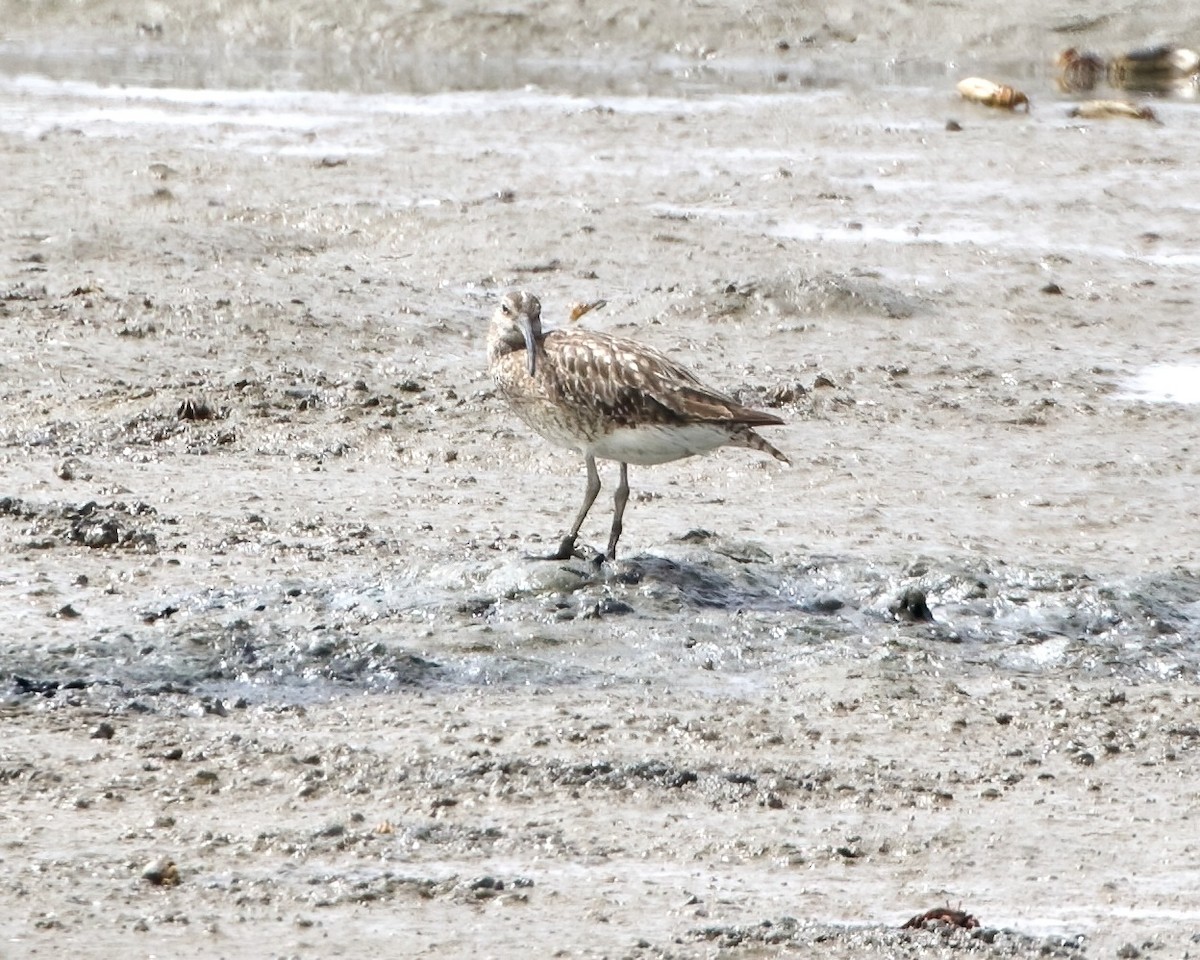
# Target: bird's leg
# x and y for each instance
(620, 498)
(566, 549)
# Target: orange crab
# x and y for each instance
(992, 94)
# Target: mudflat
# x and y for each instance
(276, 676)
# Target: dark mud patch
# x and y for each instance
(237, 664)
(332, 888)
(832, 940)
(126, 525)
(509, 623)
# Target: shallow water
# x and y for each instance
(375, 71)
(1164, 383)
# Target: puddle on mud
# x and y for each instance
(1164, 383)
(377, 70)
(155, 84)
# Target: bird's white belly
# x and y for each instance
(649, 445)
(642, 445)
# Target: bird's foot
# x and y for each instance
(570, 550)
(591, 555)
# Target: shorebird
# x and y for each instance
(612, 399)
(1155, 69)
(1079, 71)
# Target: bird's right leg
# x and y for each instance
(566, 549)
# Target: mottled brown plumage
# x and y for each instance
(610, 398)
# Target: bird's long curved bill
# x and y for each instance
(530, 344)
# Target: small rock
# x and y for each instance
(100, 533)
(824, 605)
(161, 873)
(911, 606)
(612, 607)
(72, 469)
(194, 410)
(785, 393)
(103, 731)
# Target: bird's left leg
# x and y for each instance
(620, 498)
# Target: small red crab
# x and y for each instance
(945, 915)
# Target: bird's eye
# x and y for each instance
(506, 308)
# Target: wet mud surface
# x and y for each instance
(277, 677)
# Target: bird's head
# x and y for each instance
(518, 322)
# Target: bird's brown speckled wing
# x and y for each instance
(633, 384)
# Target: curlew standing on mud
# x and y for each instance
(612, 399)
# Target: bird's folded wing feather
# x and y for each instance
(630, 382)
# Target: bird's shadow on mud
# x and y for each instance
(711, 582)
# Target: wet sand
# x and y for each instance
(265, 517)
